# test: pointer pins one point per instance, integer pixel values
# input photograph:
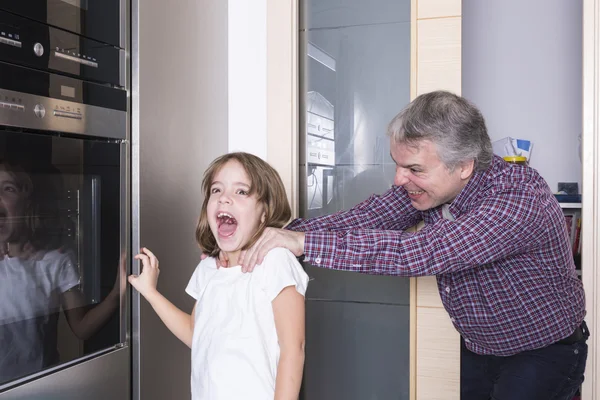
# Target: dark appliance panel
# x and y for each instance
(29, 43)
(102, 20)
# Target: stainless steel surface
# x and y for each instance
(125, 227)
(134, 296)
(356, 351)
(180, 115)
(10, 42)
(72, 58)
(124, 37)
(123, 62)
(101, 378)
(356, 57)
(39, 110)
(38, 49)
(93, 121)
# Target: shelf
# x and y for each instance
(570, 205)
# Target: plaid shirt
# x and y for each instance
(503, 262)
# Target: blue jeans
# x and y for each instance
(551, 373)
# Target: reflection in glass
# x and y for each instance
(58, 296)
(355, 77)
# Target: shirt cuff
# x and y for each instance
(320, 247)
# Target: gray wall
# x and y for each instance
(522, 65)
(182, 92)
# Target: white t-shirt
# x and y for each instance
(29, 304)
(235, 350)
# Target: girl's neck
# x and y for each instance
(233, 258)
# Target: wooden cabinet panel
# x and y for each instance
(427, 292)
(438, 356)
(439, 55)
(439, 8)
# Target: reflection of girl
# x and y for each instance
(246, 331)
(37, 276)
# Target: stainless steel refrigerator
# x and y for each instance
(355, 76)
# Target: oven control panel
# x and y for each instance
(49, 114)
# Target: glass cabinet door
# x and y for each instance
(355, 77)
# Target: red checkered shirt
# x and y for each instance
(504, 264)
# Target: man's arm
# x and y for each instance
(392, 210)
(389, 211)
(503, 225)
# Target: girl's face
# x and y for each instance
(11, 206)
(233, 214)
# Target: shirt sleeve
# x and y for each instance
(389, 211)
(193, 286)
(68, 275)
(502, 225)
(282, 269)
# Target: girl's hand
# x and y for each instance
(145, 282)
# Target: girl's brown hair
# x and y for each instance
(265, 184)
(42, 224)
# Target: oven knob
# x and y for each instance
(38, 49)
(39, 111)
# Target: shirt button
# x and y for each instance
(318, 260)
(447, 289)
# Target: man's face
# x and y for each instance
(425, 177)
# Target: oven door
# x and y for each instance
(64, 237)
(102, 20)
(63, 252)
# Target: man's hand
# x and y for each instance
(271, 238)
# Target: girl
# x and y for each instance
(246, 331)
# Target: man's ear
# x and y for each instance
(466, 169)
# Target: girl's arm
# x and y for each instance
(178, 322)
(288, 309)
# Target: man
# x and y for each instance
(494, 236)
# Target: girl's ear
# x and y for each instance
(263, 217)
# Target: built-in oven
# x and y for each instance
(64, 236)
(37, 45)
(101, 20)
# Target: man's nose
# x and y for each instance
(400, 179)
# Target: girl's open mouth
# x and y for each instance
(227, 224)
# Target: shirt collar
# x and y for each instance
(471, 190)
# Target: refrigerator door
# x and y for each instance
(355, 70)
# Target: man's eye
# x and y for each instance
(415, 171)
(10, 188)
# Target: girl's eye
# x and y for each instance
(214, 190)
(10, 189)
(242, 192)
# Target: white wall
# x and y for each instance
(522, 65)
(247, 76)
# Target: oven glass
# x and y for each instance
(60, 253)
